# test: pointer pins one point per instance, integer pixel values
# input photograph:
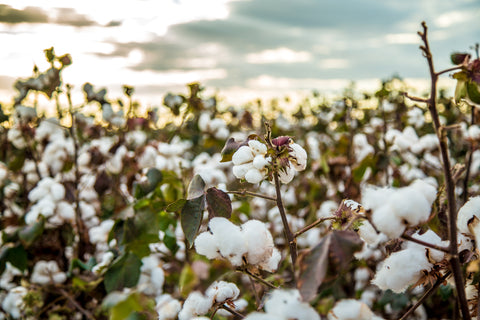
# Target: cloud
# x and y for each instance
(279, 55)
(68, 16)
(11, 15)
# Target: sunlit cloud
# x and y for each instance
(279, 55)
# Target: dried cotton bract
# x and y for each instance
(252, 241)
(468, 218)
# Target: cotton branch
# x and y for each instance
(252, 194)
(449, 183)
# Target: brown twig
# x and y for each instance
(254, 276)
(252, 194)
(469, 159)
(225, 307)
(312, 225)
(425, 296)
(449, 184)
(85, 312)
(426, 244)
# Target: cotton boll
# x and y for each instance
(46, 272)
(410, 205)
(203, 121)
(287, 304)
(220, 291)
(230, 240)
(367, 232)
(474, 132)
(259, 241)
(271, 265)
(387, 222)
(195, 304)
(13, 303)
(100, 233)
(100, 267)
(257, 147)
(469, 210)
(286, 175)
(401, 269)
(373, 197)
(298, 157)
(243, 155)
(167, 307)
(66, 211)
(253, 175)
(426, 189)
(429, 237)
(259, 162)
(261, 316)
(350, 309)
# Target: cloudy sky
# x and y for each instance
(242, 48)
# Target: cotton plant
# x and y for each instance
(284, 304)
(217, 294)
(249, 243)
(350, 309)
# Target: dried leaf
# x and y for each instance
(191, 217)
(330, 256)
(218, 203)
(231, 146)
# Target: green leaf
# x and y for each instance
(191, 217)
(176, 205)
(122, 305)
(330, 257)
(188, 280)
(16, 255)
(218, 203)
(170, 241)
(123, 273)
(30, 233)
(154, 178)
(196, 188)
(473, 92)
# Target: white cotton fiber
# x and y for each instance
(470, 209)
(401, 269)
(206, 244)
(350, 309)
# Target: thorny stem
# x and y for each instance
(312, 225)
(425, 296)
(252, 194)
(450, 186)
(426, 244)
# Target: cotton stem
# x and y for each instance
(449, 184)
